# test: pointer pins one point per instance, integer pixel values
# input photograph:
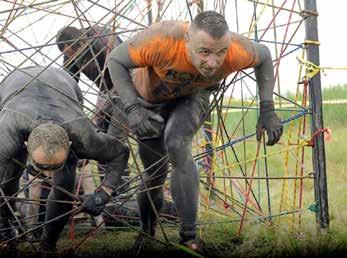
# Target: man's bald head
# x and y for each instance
(207, 41)
(212, 23)
(48, 139)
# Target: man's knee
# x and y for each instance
(178, 146)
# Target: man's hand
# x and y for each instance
(269, 121)
(95, 203)
(144, 122)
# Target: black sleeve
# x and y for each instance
(88, 143)
(71, 68)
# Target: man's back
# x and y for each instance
(42, 94)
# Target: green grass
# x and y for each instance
(335, 92)
(257, 239)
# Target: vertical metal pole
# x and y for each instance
(149, 9)
(318, 150)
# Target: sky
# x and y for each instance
(333, 38)
(331, 21)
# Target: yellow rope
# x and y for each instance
(284, 203)
(301, 144)
(312, 42)
(301, 125)
(313, 69)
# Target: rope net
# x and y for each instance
(242, 181)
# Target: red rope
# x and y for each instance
(323, 130)
(249, 189)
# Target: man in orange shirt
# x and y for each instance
(179, 64)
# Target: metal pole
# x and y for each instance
(318, 150)
(149, 9)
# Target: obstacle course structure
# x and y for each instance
(242, 180)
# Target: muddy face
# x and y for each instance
(207, 54)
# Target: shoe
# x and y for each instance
(194, 245)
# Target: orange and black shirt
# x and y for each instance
(167, 71)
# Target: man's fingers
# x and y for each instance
(276, 134)
(142, 130)
(273, 135)
(156, 128)
(270, 137)
(156, 117)
(149, 129)
(281, 131)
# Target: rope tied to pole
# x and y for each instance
(312, 42)
(326, 137)
(313, 69)
(308, 13)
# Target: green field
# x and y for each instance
(257, 240)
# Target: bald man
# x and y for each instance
(179, 64)
(44, 129)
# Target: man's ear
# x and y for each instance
(70, 142)
(26, 144)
